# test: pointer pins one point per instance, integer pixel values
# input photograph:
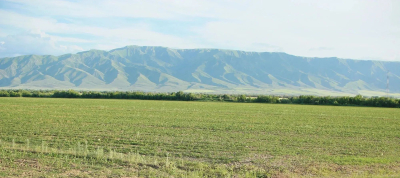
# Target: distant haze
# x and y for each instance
(355, 29)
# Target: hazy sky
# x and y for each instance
(365, 29)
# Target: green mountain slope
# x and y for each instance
(163, 69)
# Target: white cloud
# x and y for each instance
(138, 35)
(350, 28)
(322, 48)
(158, 9)
(34, 42)
(1, 46)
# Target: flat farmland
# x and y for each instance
(137, 138)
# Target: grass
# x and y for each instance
(136, 138)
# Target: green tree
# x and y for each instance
(4, 93)
(242, 98)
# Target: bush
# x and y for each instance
(336, 103)
(15, 94)
(4, 93)
(26, 93)
(241, 98)
(312, 100)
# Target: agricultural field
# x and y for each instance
(137, 138)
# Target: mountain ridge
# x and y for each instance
(155, 68)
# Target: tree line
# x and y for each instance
(182, 96)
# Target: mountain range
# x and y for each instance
(161, 69)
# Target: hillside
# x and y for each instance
(199, 70)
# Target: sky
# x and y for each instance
(353, 29)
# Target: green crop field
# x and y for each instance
(136, 138)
